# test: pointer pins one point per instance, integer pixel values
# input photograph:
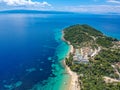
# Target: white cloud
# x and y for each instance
(114, 1)
(24, 3)
(94, 9)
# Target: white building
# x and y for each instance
(79, 58)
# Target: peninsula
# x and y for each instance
(94, 58)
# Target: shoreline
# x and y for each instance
(73, 84)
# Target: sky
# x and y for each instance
(81, 6)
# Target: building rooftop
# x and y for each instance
(79, 58)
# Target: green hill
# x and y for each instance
(106, 63)
(78, 34)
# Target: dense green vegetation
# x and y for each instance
(104, 42)
(69, 60)
(79, 34)
(110, 56)
(91, 74)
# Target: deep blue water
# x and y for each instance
(28, 43)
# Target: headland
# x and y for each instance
(93, 58)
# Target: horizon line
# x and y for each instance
(53, 11)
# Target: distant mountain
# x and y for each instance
(34, 12)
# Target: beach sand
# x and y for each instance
(73, 84)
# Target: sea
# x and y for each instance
(32, 51)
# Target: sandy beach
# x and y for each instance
(73, 84)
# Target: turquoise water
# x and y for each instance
(59, 82)
(31, 49)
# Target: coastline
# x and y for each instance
(73, 84)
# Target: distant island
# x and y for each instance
(94, 57)
(33, 12)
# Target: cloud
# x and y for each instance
(114, 1)
(94, 9)
(24, 3)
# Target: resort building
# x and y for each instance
(82, 55)
(78, 58)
